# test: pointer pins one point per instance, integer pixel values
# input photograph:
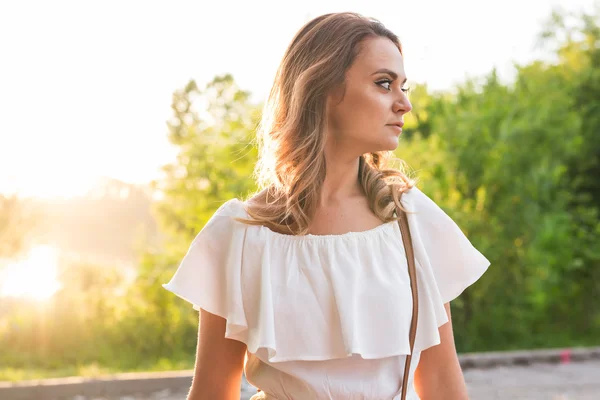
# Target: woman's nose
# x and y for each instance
(402, 105)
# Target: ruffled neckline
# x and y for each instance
(386, 227)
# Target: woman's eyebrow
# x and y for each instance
(390, 73)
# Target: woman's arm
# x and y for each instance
(219, 362)
(438, 375)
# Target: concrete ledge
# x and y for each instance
(147, 383)
(527, 357)
(105, 386)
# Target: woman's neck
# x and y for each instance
(341, 180)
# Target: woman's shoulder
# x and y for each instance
(223, 222)
(421, 205)
(233, 207)
(237, 207)
(414, 193)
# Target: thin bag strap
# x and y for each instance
(410, 258)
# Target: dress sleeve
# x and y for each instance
(441, 246)
(210, 273)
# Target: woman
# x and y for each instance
(305, 285)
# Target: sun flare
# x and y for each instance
(33, 277)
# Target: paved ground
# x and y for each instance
(575, 381)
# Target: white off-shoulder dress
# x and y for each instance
(328, 316)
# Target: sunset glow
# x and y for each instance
(33, 277)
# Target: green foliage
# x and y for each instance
(517, 167)
(216, 155)
(214, 164)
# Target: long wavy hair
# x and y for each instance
(290, 137)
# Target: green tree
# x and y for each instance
(514, 165)
(214, 164)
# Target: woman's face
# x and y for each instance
(362, 115)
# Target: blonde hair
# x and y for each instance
(291, 166)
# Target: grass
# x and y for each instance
(91, 370)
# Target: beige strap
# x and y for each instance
(410, 258)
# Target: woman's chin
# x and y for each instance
(390, 144)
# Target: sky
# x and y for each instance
(86, 86)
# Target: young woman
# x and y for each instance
(305, 285)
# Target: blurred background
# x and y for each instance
(124, 125)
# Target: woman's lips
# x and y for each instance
(396, 127)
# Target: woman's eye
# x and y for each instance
(385, 82)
